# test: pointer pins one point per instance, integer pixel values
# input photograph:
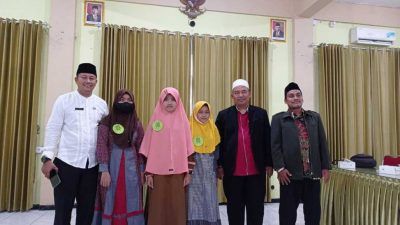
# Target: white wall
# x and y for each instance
(25, 9)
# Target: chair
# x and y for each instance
(391, 160)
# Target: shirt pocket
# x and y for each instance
(74, 115)
(95, 115)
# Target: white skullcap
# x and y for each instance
(240, 82)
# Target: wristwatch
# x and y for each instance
(44, 159)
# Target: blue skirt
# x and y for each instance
(202, 194)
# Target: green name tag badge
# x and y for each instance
(157, 125)
(198, 141)
(118, 128)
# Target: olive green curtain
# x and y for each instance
(21, 48)
(145, 62)
(218, 61)
(359, 89)
(331, 94)
(385, 113)
(359, 198)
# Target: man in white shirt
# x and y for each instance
(72, 130)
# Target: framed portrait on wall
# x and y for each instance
(94, 13)
(278, 30)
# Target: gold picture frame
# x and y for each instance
(94, 13)
(278, 30)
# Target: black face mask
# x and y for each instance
(124, 107)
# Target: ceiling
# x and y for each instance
(384, 3)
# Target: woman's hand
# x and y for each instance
(220, 173)
(149, 181)
(186, 179)
(105, 179)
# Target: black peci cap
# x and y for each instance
(86, 68)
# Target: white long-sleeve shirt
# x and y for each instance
(72, 129)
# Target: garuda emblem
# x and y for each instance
(192, 8)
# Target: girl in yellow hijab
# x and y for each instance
(202, 193)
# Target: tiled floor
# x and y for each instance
(45, 217)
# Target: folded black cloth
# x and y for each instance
(363, 161)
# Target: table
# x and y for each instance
(360, 197)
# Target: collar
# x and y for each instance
(83, 97)
(290, 114)
(295, 117)
(247, 109)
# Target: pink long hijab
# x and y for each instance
(167, 149)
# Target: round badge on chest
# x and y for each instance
(198, 141)
(157, 125)
(118, 128)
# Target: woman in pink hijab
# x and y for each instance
(167, 144)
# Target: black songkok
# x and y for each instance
(291, 86)
(86, 68)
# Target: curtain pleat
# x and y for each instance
(218, 61)
(21, 45)
(360, 198)
(384, 99)
(331, 92)
(359, 89)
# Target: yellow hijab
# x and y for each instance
(205, 136)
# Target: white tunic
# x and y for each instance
(72, 129)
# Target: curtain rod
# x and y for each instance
(181, 33)
(44, 24)
(227, 36)
(144, 29)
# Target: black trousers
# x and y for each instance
(307, 191)
(245, 192)
(79, 184)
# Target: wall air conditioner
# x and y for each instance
(372, 36)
